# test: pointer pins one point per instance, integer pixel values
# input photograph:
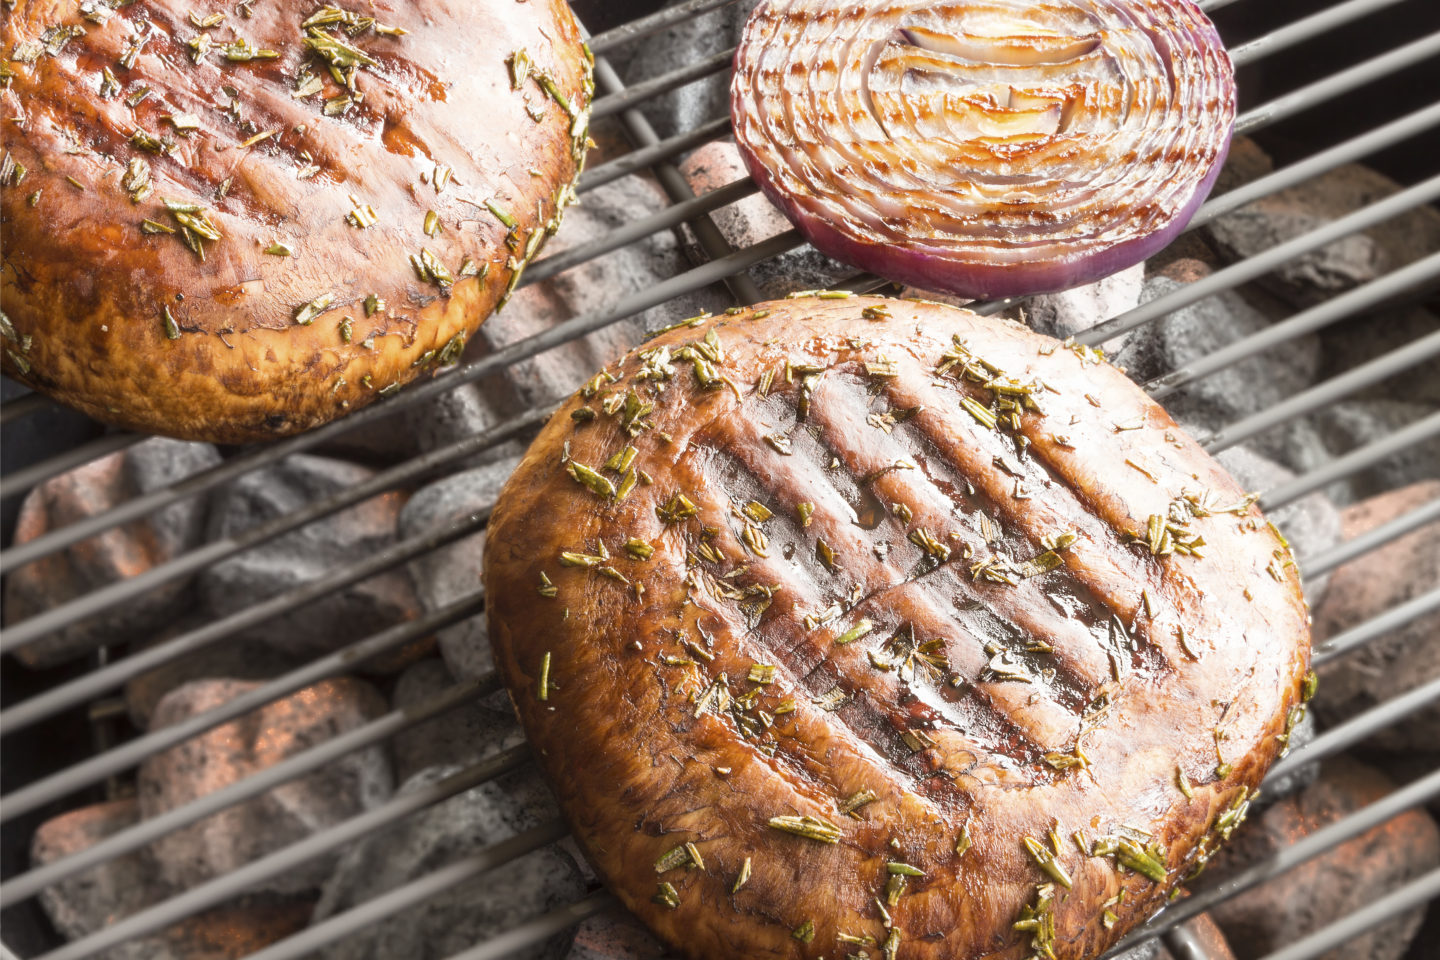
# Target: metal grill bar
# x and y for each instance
(1302, 30)
(646, 157)
(654, 87)
(1326, 160)
(1326, 393)
(27, 631)
(641, 134)
(22, 480)
(244, 878)
(1392, 619)
(335, 928)
(1413, 894)
(533, 931)
(1371, 539)
(643, 26)
(1326, 838)
(1340, 468)
(134, 751)
(1257, 266)
(1357, 728)
(112, 675)
(671, 216)
(1413, 278)
(1336, 84)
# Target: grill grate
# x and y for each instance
(723, 265)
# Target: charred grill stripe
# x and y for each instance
(1022, 605)
(810, 659)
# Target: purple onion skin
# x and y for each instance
(903, 264)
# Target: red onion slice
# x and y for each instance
(988, 149)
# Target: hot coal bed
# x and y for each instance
(291, 743)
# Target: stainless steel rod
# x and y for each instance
(32, 629)
(1262, 263)
(21, 480)
(1326, 838)
(1306, 29)
(1325, 393)
(1338, 83)
(1412, 277)
(641, 134)
(132, 752)
(244, 878)
(645, 157)
(91, 685)
(533, 931)
(643, 26)
(1368, 455)
(638, 93)
(1357, 728)
(1377, 626)
(637, 229)
(147, 831)
(1408, 897)
(336, 928)
(1372, 539)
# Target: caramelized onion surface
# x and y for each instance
(986, 149)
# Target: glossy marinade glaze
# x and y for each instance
(239, 223)
(845, 625)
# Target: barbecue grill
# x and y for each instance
(63, 713)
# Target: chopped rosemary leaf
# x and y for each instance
(678, 507)
(306, 313)
(172, 329)
(639, 549)
(1184, 783)
(805, 933)
(854, 633)
(743, 877)
(762, 673)
(1045, 859)
(805, 511)
(666, 896)
(542, 689)
(962, 843)
(278, 249)
(756, 511)
(546, 588)
(519, 64)
(672, 859)
(815, 828)
(896, 868)
(857, 800)
(983, 416)
(695, 859)
(588, 478)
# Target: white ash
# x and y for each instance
(111, 556)
(475, 909)
(93, 899)
(1339, 266)
(316, 549)
(244, 747)
(447, 575)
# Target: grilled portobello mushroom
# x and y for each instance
(847, 626)
(239, 224)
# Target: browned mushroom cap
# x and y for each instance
(237, 225)
(859, 625)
